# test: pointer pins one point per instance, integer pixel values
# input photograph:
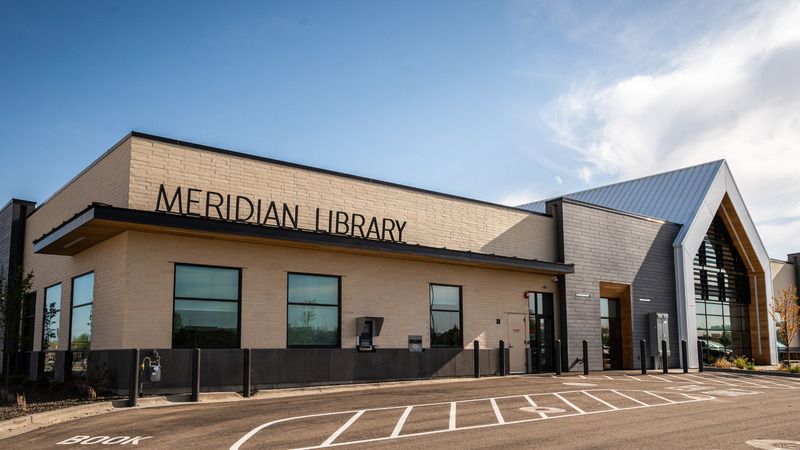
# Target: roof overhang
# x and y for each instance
(98, 223)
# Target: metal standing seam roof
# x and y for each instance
(673, 196)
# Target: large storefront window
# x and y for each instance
(50, 327)
(313, 312)
(446, 316)
(206, 307)
(81, 323)
(722, 296)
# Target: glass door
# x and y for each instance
(611, 333)
(540, 322)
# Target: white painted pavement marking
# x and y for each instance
(499, 416)
(630, 398)
(601, 401)
(608, 377)
(544, 416)
(579, 384)
(716, 379)
(354, 415)
(659, 378)
(570, 404)
(658, 396)
(632, 377)
(401, 422)
(741, 380)
(338, 432)
(764, 379)
(695, 376)
(674, 376)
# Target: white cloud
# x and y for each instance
(734, 94)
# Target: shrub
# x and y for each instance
(43, 382)
(722, 363)
(14, 380)
(743, 363)
(27, 384)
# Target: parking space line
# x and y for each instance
(658, 396)
(742, 380)
(544, 416)
(630, 398)
(401, 422)
(676, 377)
(715, 378)
(341, 430)
(497, 414)
(452, 425)
(763, 380)
(697, 377)
(631, 376)
(659, 378)
(601, 401)
(570, 404)
(608, 377)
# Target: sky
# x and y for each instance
(502, 101)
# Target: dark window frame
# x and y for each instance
(238, 301)
(338, 307)
(431, 309)
(28, 328)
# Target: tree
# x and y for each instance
(14, 301)
(786, 314)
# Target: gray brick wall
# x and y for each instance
(611, 246)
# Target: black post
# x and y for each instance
(196, 375)
(585, 357)
(476, 353)
(133, 386)
(558, 356)
(699, 356)
(502, 358)
(247, 370)
(664, 356)
(643, 353)
(685, 357)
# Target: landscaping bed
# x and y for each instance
(25, 397)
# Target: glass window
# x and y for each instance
(81, 324)
(52, 317)
(313, 312)
(445, 316)
(206, 303)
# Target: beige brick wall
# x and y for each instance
(105, 181)
(432, 220)
(392, 288)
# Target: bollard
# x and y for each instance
(196, 375)
(558, 356)
(685, 358)
(133, 385)
(585, 357)
(476, 353)
(699, 356)
(502, 358)
(643, 356)
(664, 356)
(246, 372)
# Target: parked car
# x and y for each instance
(713, 350)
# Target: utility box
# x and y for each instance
(659, 331)
(414, 343)
(367, 328)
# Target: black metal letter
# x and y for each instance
(162, 193)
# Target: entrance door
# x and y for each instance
(540, 310)
(611, 333)
(517, 324)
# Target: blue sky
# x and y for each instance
(502, 101)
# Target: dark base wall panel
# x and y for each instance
(222, 369)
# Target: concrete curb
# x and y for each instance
(754, 372)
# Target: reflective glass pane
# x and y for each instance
(206, 282)
(82, 290)
(544, 303)
(445, 297)
(50, 333)
(714, 308)
(205, 323)
(313, 289)
(81, 338)
(603, 307)
(726, 309)
(313, 325)
(445, 329)
(701, 322)
(714, 323)
(701, 307)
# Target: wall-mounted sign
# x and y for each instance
(239, 208)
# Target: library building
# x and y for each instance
(169, 246)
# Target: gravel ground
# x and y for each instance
(44, 399)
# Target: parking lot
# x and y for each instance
(574, 411)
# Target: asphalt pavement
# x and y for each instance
(601, 410)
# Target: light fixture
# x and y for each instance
(583, 295)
